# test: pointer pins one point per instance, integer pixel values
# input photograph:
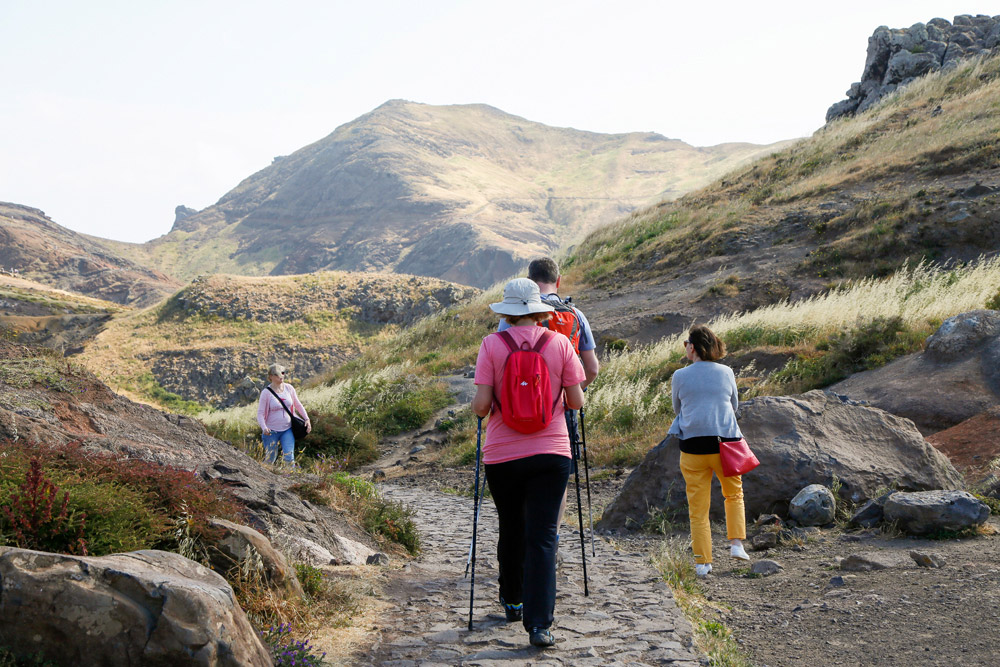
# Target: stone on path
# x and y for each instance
(629, 618)
(814, 505)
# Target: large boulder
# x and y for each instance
(800, 440)
(934, 511)
(238, 543)
(956, 377)
(149, 608)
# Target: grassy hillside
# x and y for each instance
(201, 345)
(867, 193)
(864, 204)
(37, 314)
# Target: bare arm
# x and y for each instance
(591, 366)
(483, 400)
(574, 397)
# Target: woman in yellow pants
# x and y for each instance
(705, 402)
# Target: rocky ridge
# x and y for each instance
(39, 249)
(369, 297)
(898, 56)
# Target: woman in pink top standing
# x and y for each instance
(527, 473)
(275, 423)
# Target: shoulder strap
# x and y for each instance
(543, 340)
(508, 340)
(280, 401)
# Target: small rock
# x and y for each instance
(378, 475)
(837, 581)
(763, 541)
(378, 558)
(926, 560)
(418, 448)
(766, 568)
(859, 563)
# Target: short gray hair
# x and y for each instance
(275, 369)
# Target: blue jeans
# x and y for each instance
(287, 441)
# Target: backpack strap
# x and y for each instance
(280, 401)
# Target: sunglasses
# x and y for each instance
(687, 342)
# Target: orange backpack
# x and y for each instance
(565, 321)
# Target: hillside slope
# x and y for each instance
(212, 341)
(916, 178)
(464, 193)
(46, 252)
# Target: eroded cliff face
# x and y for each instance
(898, 56)
(464, 193)
(39, 249)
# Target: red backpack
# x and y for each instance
(525, 389)
(565, 321)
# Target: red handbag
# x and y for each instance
(737, 459)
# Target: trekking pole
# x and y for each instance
(586, 472)
(575, 446)
(475, 520)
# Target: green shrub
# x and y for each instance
(334, 438)
(9, 659)
(388, 519)
(310, 577)
(128, 504)
(870, 346)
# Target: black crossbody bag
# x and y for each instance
(298, 423)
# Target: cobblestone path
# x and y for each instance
(629, 617)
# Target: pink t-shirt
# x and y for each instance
(272, 416)
(565, 370)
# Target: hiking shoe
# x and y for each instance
(737, 551)
(541, 638)
(702, 569)
(513, 612)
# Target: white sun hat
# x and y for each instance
(521, 297)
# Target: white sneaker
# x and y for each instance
(737, 551)
(702, 569)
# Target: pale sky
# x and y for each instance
(115, 112)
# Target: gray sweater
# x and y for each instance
(705, 401)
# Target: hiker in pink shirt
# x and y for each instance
(527, 472)
(275, 422)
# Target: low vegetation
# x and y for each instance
(68, 500)
(711, 636)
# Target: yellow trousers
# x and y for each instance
(697, 470)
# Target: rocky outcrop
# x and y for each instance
(236, 543)
(961, 361)
(143, 608)
(373, 298)
(898, 56)
(799, 440)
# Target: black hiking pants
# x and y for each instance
(527, 493)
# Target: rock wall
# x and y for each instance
(898, 56)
